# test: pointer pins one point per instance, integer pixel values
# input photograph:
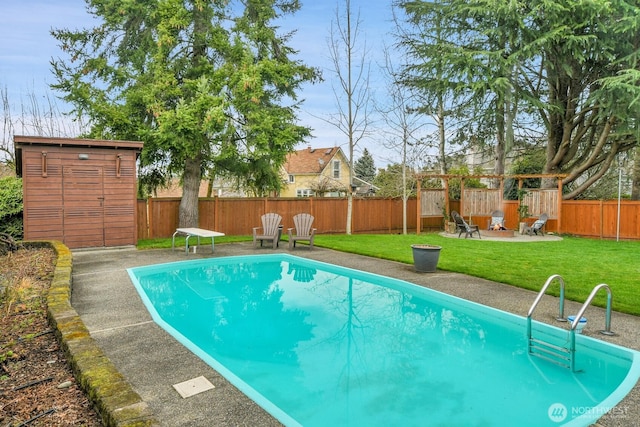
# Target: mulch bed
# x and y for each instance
(37, 387)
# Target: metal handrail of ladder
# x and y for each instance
(560, 317)
(607, 319)
(545, 349)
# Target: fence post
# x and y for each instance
(559, 230)
(216, 221)
(418, 207)
(150, 217)
(601, 219)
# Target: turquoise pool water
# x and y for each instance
(320, 345)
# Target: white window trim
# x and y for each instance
(304, 192)
(336, 169)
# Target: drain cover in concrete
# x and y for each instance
(192, 387)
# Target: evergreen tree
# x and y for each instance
(364, 168)
(208, 86)
(567, 68)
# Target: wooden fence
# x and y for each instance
(158, 218)
(237, 216)
(599, 218)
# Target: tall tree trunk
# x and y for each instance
(441, 139)
(353, 80)
(405, 193)
(498, 167)
(350, 116)
(188, 211)
(350, 190)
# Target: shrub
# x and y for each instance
(11, 206)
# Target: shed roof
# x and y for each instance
(20, 141)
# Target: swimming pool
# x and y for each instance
(316, 344)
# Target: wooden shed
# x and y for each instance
(79, 191)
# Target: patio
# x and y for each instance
(517, 237)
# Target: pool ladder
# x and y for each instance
(564, 356)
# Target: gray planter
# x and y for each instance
(425, 257)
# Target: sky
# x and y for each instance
(26, 48)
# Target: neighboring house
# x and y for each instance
(482, 161)
(320, 172)
(364, 188)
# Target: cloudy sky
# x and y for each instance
(26, 48)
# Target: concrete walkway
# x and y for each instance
(152, 361)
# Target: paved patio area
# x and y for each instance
(153, 361)
(517, 237)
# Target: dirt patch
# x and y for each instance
(37, 387)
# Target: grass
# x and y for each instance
(582, 263)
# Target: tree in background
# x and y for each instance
(403, 130)
(395, 181)
(328, 185)
(37, 115)
(352, 96)
(455, 184)
(590, 79)
(463, 87)
(562, 70)
(208, 86)
(364, 168)
(531, 162)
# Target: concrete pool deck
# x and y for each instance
(152, 361)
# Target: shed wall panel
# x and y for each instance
(84, 203)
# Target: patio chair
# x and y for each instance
(537, 227)
(270, 230)
(497, 221)
(303, 223)
(462, 226)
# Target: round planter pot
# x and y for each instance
(425, 257)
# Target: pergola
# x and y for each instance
(482, 201)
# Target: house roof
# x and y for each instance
(310, 160)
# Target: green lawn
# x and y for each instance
(582, 263)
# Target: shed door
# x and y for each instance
(83, 196)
